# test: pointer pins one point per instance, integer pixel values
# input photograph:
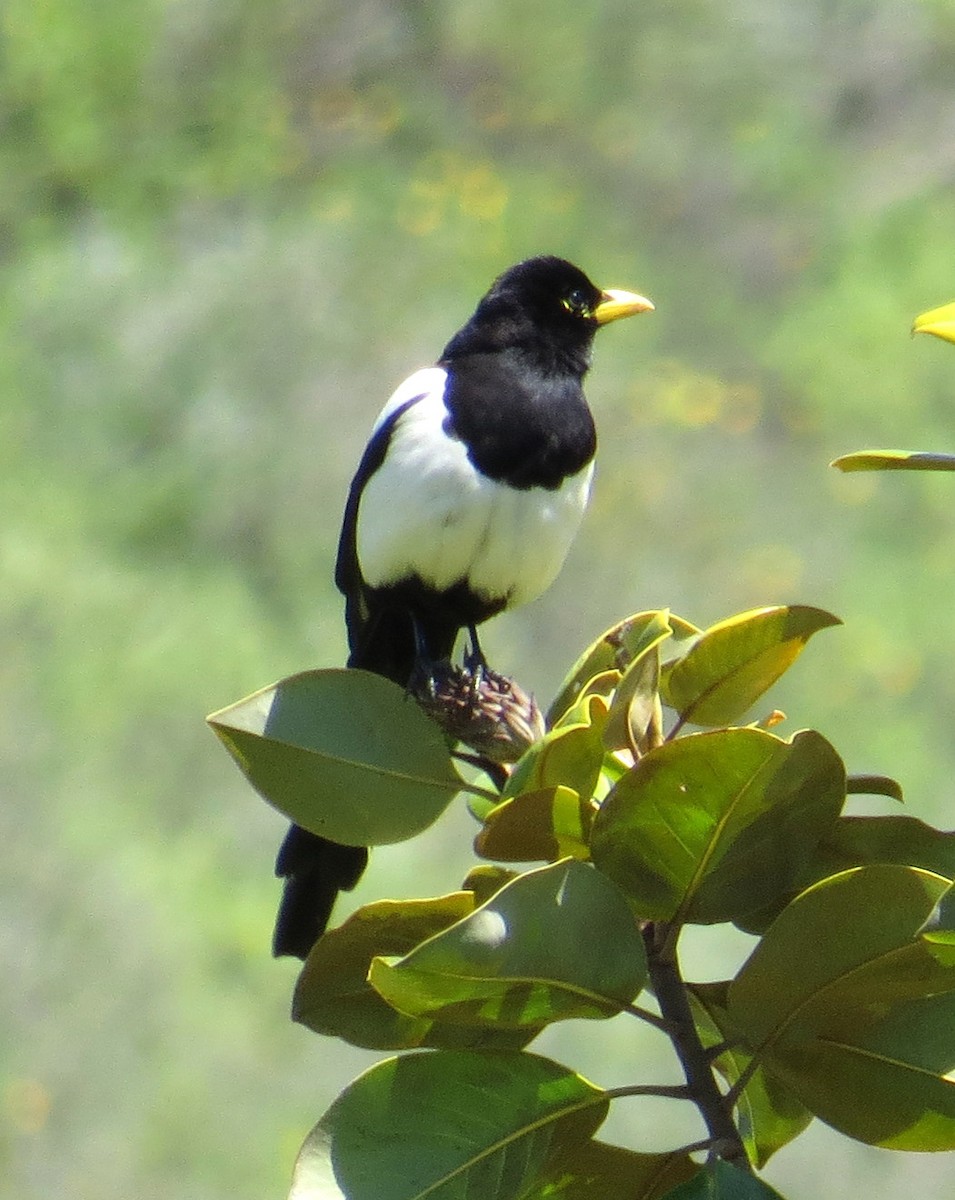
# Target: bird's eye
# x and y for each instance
(577, 302)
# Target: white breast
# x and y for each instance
(427, 511)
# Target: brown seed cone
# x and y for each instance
(488, 712)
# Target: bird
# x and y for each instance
(465, 503)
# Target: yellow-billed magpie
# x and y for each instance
(465, 503)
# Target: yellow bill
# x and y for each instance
(615, 303)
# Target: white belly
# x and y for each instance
(426, 511)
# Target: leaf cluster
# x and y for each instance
(651, 807)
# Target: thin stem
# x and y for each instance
(651, 1018)
(693, 1147)
(713, 1052)
(747, 1073)
(671, 993)
(680, 722)
(494, 770)
(666, 1090)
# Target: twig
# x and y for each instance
(715, 1108)
(667, 1091)
(651, 1018)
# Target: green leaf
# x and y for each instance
(825, 935)
(538, 826)
(635, 707)
(734, 662)
(597, 1171)
(768, 1115)
(853, 1009)
(708, 827)
(894, 460)
(874, 785)
(448, 1124)
(485, 880)
(343, 753)
(333, 995)
(720, 1180)
(877, 1084)
(614, 650)
(859, 842)
(571, 755)
(555, 943)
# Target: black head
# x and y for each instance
(547, 306)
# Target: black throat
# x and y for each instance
(525, 422)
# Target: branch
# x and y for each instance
(716, 1109)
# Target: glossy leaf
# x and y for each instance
(862, 841)
(445, 1125)
(343, 753)
(894, 460)
(571, 755)
(538, 826)
(333, 995)
(830, 931)
(597, 1171)
(486, 881)
(720, 1180)
(874, 785)
(853, 1009)
(858, 841)
(614, 650)
(711, 826)
(555, 943)
(635, 707)
(734, 662)
(768, 1115)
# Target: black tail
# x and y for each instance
(315, 871)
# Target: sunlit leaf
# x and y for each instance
(570, 755)
(829, 931)
(894, 460)
(853, 1009)
(731, 664)
(448, 1124)
(333, 995)
(485, 880)
(555, 943)
(636, 704)
(708, 827)
(343, 753)
(615, 650)
(538, 826)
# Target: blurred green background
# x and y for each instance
(227, 229)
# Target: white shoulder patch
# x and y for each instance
(429, 381)
(427, 510)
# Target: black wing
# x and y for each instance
(348, 577)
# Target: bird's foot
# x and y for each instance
(475, 664)
(427, 677)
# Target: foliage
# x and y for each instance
(653, 809)
(229, 228)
